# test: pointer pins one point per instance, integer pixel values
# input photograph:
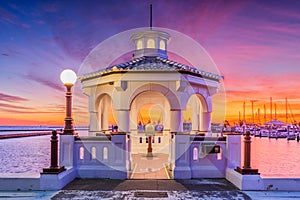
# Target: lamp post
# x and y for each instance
(68, 78)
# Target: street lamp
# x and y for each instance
(68, 78)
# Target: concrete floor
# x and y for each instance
(149, 167)
(154, 189)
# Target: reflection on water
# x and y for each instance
(276, 158)
(29, 155)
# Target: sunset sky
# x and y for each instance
(255, 45)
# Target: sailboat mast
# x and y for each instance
(271, 117)
(275, 111)
(252, 111)
(286, 110)
(265, 114)
(258, 115)
(244, 107)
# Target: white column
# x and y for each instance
(205, 122)
(123, 121)
(104, 115)
(171, 158)
(166, 117)
(133, 121)
(176, 121)
(94, 124)
(195, 115)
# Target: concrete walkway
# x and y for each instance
(206, 189)
(149, 167)
(154, 189)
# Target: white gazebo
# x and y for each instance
(119, 91)
(118, 134)
(117, 95)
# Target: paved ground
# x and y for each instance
(149, 167)
(153, 189)
(90, 189)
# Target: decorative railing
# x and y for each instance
(208, 157)
(101, 156)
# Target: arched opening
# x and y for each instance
(193, 121)
(195, 153)
(107, 116)
(93, 153)
(81, 153)
(139, 45)
(150, 123)
(150, 44)
(162, 45)
(105, 153)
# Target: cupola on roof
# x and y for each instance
(150, 43)
(151, 55)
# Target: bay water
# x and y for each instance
(27, 156)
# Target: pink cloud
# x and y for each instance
(5, 105)
(45, 82)
(11, 98)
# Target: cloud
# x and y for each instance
(11, 111)
(51, 7)
(7, 18)
(11, 98)
(14, 107)
(46, 82)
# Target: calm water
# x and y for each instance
(28, 155)
(276, 158)
(24, 156)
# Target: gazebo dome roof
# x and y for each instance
(151, 64)
(150, 55)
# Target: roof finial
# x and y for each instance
(150, 16)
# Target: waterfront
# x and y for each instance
(27, 156)
(276, 158)
(24, 156)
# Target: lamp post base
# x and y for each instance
(53, 170)
(149, 154)
(247, 171)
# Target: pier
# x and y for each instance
(17, 135)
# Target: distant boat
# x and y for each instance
(278, 134)
(264, 133)
(292, 134)
(291, 137)
(275, 123)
